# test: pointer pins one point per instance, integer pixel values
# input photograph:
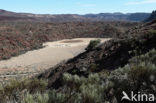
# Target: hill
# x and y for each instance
(12, 16)
(107, 70)
(135, 17)
(151, 17)
(98, 75)
(112, 54)
(125, 63)
(19, 37)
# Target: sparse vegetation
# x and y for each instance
(106, 86)
(86, 78)
(100, 85)
(18, 37)
(93, 44)
(15, 90)
(152, 17)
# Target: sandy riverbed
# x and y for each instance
(52, 54)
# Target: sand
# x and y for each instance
(42, 59)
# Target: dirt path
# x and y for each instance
(34, 62)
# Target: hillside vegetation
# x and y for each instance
(19, 37)
(127, 62)
(13, 16)
(151, 17)
(101, 74)
(98, 75)
(135, 17)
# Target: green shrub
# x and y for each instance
(29, 98)
(35, 85)
(138, 75)
(36, 98)
(16, 89)
(93, 67)
(50, 96)
(93, 44)
(55, 97)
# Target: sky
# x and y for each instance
(78, 6)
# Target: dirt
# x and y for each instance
(37, 61)
(72, 41)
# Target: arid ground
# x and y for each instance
(37, 61)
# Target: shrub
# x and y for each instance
(16, 89)
(93, 67)
(36, 98)
(35, 85)
(55, 97)
(137, 75)
(93, 44)
(29, 98)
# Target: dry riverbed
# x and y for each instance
(36, 61)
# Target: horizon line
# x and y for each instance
(74, 13)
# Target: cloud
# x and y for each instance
(141, 2)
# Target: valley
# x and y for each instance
(37, 61)
(71, 58)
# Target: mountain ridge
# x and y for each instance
(135, 17)
(152, 17)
